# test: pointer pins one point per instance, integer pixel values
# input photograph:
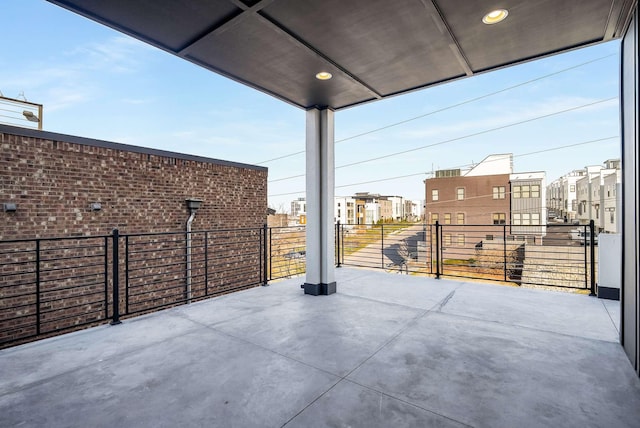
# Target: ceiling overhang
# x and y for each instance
(372, 48)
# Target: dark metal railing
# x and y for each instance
(563, 256)
(52, 285)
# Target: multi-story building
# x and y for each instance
(528, 204)
(397, 207)
(372, 208)
(363, 208)
(562, 196)
(299, 207)
(345, 210)
(588, 194)
(592, 193)
(610, 194)
(475, 196)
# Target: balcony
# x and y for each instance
(386, 350)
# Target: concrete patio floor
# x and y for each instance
(387, 350)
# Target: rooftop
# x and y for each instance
(386, 350)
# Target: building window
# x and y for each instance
(517, 219)
(434, 195)
(498, 192)
(460, 218)
(572, 188)
(535, 191)
(460, 193)
(447, 239)
(517, 192)
(526, 191)
(535, 219)
(434, 218)
(447, 218)
(611, 218)
(526, 219)
(499, 218)
(461, 240)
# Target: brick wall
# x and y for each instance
(478, 205)
(53, 179)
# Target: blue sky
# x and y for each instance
(97, 83)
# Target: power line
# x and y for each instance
(475, 134)
(448, 107)
(426, 173)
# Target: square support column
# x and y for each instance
(320, 252)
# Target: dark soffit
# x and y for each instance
(373, 48)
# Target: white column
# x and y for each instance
(320, 276)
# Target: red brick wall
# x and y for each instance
(53, 182)
(478, 205)
(53, 179)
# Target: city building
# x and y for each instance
(299, 210)
(562, 196)
(591, 194)
(528, 204)
(364, 208)
(475, 196)
(611, 186)
(588, 194)
(345, 210)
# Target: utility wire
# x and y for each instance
(475, 134)
(448, 107)
(428, 173)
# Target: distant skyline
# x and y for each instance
(97, 83)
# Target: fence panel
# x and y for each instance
(561, 257)
(287, 252)
(52, 285)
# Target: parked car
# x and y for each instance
(583, 235)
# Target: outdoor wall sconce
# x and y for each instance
(193, 204)
(30, 116)
(9, 207)
(95, 206)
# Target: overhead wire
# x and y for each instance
(428, 173)
(471, 100)
(451, 140)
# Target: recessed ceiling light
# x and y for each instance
(495, 16)
(324, 75)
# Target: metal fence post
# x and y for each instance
(106, 277)
(338, 241)
(592, 251)
(116, 278)
(126, 274)
(265, 256)
(37, 286)
(382, 245)
(437, 249)
(504, 249)
(269, 260)
(206, 263)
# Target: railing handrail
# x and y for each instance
(226, 259)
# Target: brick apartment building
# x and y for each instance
(485, 203)
(476, 196)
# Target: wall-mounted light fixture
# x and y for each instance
(193, 204)
(9, 207)
(30, 116)
(95, 206)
